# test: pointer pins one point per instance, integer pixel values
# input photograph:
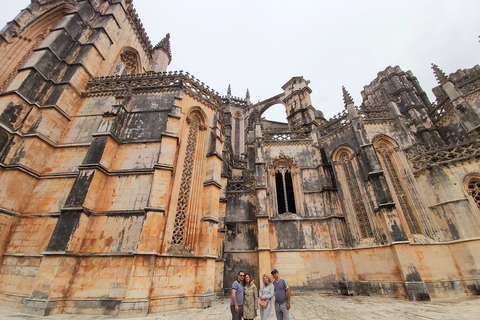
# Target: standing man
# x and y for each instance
(236, 303)
(282, 296)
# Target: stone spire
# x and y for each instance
(439, 74)
(347, 98)
(164, 44)
(229, 90)
(247, 97)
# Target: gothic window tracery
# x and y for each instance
(386, 154)
(473, 189)
(238, 131)
(127, 64)
(186, 182)
(356, 196)
(285, 186)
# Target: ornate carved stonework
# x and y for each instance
(147, 190)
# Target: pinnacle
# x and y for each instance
(439, 74)
(347, 98)
(229, 90)
(165, 45)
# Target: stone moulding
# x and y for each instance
(151, 82)
(273, 135)
(335, 124)
(138, 28)
(234, 100)
(305, 142)
(375, 112)
(444, 156)
(439, 111)
(338, 132)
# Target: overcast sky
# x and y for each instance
(261, 44)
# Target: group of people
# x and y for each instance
(246, 300)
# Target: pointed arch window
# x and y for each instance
(284, 188)
(18, 49)
(386, 155)
(127, 64)
(356, 196)
(181, 215)
(237, 136)
(473, 190)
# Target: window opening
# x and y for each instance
(413, 226)
(185, 186)
(237, 137)
(284, 187)
(357, 200)
(127, 64)
(473, 189)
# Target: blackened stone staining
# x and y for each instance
(95, 151)
(66, 225)
(11, 114)
(382, 199)
(143, 126)
(80, 189)
(3, 140)
(289, 235)
(413, 275)
(453, 230)
(19, 154)
(398, 234)
(35, 125)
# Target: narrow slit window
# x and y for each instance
(357, 200)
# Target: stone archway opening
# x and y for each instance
(275, 113)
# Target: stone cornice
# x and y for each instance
(154, 82)
(138, 28)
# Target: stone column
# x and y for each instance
(262, 205)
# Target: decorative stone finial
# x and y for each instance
(229, 90)
(347, 98)
(247, 97)
(164, 44)
(439, 74)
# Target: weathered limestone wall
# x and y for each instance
(22, 257)
(112, 234)
(376, 271)
(359, 271)
(99, 175)
(444, 189)
(240, 260)
(300, 234)
(181, 283)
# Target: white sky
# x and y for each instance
(261, 44)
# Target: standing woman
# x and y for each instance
(266, 295)
(250, 301)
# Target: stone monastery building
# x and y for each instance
(126, 189)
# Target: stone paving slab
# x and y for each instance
(311, 306)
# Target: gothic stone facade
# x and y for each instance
(126, 189)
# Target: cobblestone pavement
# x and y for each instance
(313, 306)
